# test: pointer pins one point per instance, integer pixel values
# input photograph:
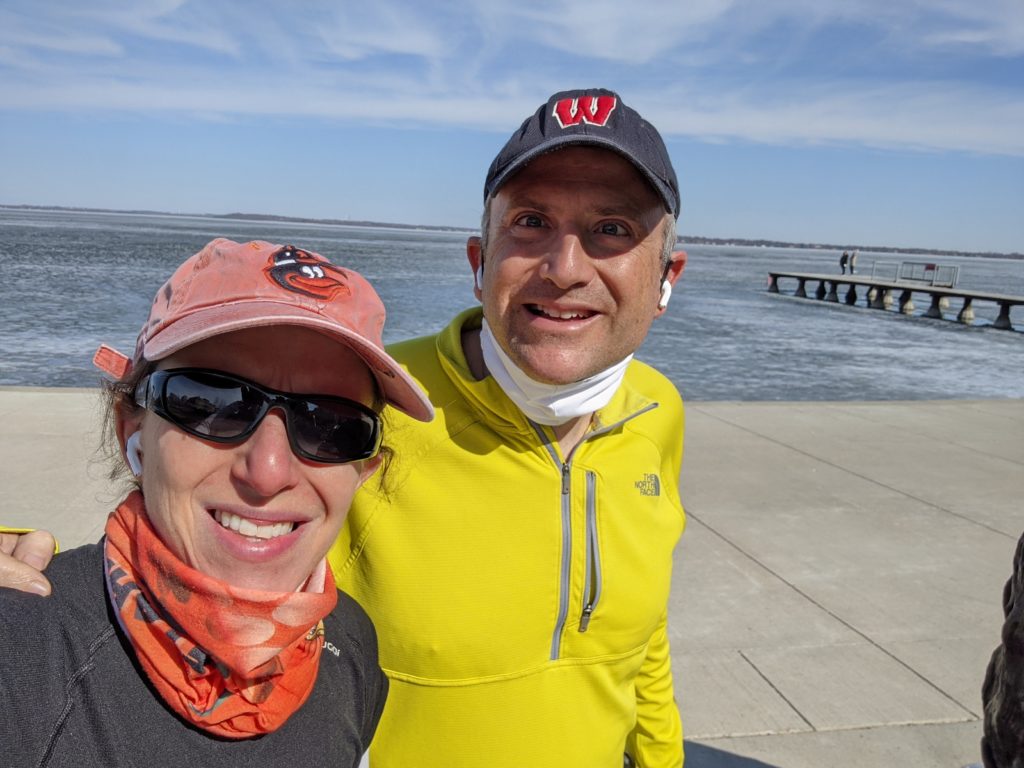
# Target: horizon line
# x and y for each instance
(693, 239)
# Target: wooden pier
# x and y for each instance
(881, 294)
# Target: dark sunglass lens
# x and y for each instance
(210, 404)
(333, 431)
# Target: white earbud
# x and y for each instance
(666, 294)
(478, 276)
(133, 453)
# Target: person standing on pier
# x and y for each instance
(518, 571)
(842, 262)
(853, 262)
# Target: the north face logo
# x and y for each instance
(593, 110)
(649, 485)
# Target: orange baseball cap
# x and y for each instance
(228, 286)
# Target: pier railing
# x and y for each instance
(940, 275)
(882, 294)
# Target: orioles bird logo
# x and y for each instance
(306, 273)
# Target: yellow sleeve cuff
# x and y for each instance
(8, 529)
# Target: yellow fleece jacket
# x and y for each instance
(520, 595)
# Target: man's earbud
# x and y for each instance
(666, 294)
(133, 453)
(478, 276)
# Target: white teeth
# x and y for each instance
(249, 528)
(560, 315)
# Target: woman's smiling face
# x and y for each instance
(253, 514)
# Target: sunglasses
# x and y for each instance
(227, 409)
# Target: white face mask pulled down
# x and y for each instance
(549, 404)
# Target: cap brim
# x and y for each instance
(585, 140)
(399, 389)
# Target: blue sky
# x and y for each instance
(884, 122)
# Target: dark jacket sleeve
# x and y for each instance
(376, 689)
(45, 647)
(1002, 694)
(376, 695)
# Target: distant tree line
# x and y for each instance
(689, 239)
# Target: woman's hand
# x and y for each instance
(23, 556)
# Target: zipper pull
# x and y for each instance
(565, 479)
(585, 618)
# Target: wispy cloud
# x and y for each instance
(111, 28)
(915, 116)
(789, 71)
(361, 31)
(603, 29)
(994, 26)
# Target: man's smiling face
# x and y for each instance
(573, 263)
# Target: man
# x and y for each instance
(517, 564)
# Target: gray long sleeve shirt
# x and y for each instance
(72, 694)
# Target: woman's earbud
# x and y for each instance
(133, 453)
(478, 277)
(666, 294)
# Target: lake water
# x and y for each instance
(73, 280)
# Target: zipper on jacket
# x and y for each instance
(566, 571)
(565, 509)
(565, 469)
(592, 584)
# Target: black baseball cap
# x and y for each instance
(591, 117)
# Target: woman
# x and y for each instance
(205, 628)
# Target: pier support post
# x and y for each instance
(800, 292)
(966, 315)
(820, 293)
(832, 296)
(773, 283)
(876, 298)
(935, 310)
(1003, 321)
(907, 302)
(851, 295)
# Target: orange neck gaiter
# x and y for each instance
(234, 662)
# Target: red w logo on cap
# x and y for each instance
(585, 109)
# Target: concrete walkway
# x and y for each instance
(837, 591)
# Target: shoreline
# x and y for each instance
(687, 402)
(271, 218)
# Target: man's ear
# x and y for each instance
(474, 254)
(675, 267)
(673, 271)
